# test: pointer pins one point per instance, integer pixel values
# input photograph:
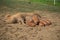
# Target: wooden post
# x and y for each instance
(54, 3)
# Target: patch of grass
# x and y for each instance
(25, 6)
(49, 2)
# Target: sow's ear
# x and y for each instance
(7, 15)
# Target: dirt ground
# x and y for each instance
(23, 32)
